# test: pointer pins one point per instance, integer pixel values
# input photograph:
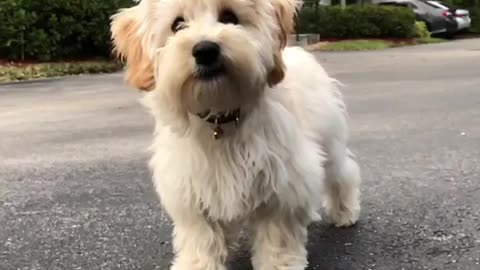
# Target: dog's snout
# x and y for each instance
(206, 52)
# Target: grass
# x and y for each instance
(368, 44)
(356, 45)
(429, 40)
(20, 72)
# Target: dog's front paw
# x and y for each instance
(197, 265)
(343, 216)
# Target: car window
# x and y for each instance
(446, 5)
(436, 4)
(439, 5)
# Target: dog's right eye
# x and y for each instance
(228, 17)
(178, 24)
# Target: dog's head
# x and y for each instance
(199, 55)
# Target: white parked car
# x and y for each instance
(462, 16)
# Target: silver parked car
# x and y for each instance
(438, 21)
(462, 16)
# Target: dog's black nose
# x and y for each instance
(206, 53)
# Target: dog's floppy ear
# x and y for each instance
(285, 12)
(277, 74)
(128, 46)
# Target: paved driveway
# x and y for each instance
(75, 192)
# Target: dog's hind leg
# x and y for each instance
(342, 182)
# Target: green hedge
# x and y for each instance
(421, 30)
(475, 16)
(56, 29)
(368, 21)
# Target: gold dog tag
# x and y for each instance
(217, 130)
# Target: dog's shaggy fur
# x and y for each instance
(286, 161)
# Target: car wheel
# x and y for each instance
(449, 35)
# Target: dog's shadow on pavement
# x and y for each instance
(329, 248)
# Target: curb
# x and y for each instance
(55, 79)
(32, 81)
(303, 39)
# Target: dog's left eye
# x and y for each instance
(178, 24)
(227, 16)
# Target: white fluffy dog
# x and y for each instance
(248, 132)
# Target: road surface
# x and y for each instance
(75, 192)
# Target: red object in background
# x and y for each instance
(447, 13)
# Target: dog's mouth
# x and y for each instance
(210, 72)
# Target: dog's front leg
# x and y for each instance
(199, 244)
(280, 241)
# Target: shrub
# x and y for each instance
(463, 3)
(55, 29)
(368, 21)
(475, 15)
(421, 30)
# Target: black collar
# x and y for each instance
(221, 118)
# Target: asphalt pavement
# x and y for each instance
(75, 191)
